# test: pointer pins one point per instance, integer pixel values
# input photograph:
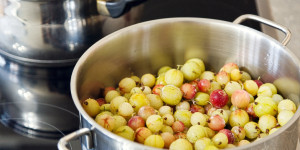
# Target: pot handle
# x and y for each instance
(63, 142)
(114, 8)
(283, 29)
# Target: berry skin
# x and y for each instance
(163, 70)
(251, 87)
(252, 130)
(136, 122)
(198, 118)
(157, 89)
(195, 132)
(101, 101)
(184, 116)
(154, 123)
(220, 140)
(178, 126)
(264, 105)
(141, 134)
(204, 85)
(199, 62)
(239, 133)
(240, 99)
(181, 144)
(222, 77)
(171, 94)
(258, 82)
(154, 141)
(196, 108)
(284, 116)
(208, 75)
(111, 95)
(266, 123)
(168, 139)
(106, 121)
(200, 144)
(216, 123)
(125, 132)
(126, 84)
(229, 67)
(218, 98)
(91, 106)
(138, 100)
(191, 70)
(174, 77)
(287, 105)
(188, 90)
(146, 111)
(148, 80)
(238, 117)
(229, 135)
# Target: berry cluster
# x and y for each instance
(191, 108)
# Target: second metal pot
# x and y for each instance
(57, 32)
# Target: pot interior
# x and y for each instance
(148, 46)
(145, 47)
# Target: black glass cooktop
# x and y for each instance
(153, 9)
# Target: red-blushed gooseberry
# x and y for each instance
(204, 85)
(229, 135)
(258, 82)
(157, 89)
(218, 98)
(101, 101)
(168, 139)
(197, 108)
(178, 126)
(136, 122)
(216, 123)
(240, 99)
(141, 134)
(188, 90)
(228, 67)
(147, 111)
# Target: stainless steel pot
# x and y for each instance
(145, 47)
(57, 32)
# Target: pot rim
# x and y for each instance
(111, 36)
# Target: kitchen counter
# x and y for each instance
(286, 13)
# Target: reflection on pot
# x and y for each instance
(289, 87)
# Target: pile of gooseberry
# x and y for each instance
(192, 108)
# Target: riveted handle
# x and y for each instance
(270, 23)
(63, 142)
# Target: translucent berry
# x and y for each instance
(91, 107)
(154, 141)
(174, 77)
(171, 94)
(126, 84)
(188, 90)
(181, 144)
(195, 132)
(220, 140)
